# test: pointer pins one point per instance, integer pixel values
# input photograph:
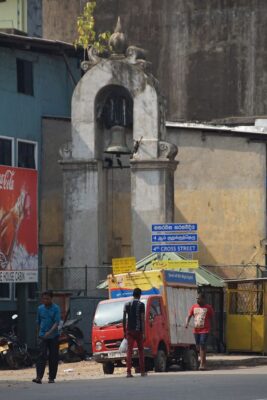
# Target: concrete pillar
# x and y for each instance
(152, 200)
(83, 223)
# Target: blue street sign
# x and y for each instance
(174, 248)
(175, 238)
(174, 227)
(180, 277)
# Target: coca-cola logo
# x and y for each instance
(7, 180)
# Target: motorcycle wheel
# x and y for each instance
(70, 357)
(12, 361)
(27, 360)
(76, 332)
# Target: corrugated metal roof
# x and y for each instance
(206, 278)
(223, 128)
(203, 277)
(246, 280)
(37, 44)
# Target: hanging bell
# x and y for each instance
(118, 144)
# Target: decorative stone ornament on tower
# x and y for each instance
(116, 94)
(118, 40)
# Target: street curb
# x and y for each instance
(247, 362)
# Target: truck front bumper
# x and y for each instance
(115, 355)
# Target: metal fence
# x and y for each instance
(240, 271)
(85, 278)
(81, 280)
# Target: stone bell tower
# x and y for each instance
(116, 110)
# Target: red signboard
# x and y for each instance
(18, 225)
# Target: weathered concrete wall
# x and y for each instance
(220, 184)
(59, 19)
(209, 56)
(118, 204)
(55, 133)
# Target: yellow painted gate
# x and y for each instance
(245, 322)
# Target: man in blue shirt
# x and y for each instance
(48, 317)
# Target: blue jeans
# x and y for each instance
(201, 339)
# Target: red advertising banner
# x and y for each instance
(18, 225)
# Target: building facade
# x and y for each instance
(204, 57)
(37, 78)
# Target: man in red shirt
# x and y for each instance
(203, 316)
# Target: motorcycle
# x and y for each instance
(71, 341)
(13, 352)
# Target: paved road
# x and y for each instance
(248, 384)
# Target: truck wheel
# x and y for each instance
(190, 360)
(108, 368)
(160, 361)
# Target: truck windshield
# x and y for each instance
(110, 313)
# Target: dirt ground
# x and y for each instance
(90, 369)
(66, 372)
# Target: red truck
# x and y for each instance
(168, 295)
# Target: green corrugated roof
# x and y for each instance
(206, 278)
(146, 262)
(203, 277)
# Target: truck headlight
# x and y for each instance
(98, 346)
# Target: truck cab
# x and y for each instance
(107, 334)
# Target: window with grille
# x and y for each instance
(26, 155)
(5, 151)
(32, 291)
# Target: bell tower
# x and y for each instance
(118, 130)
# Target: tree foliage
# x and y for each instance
(87, 36)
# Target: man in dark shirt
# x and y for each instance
(134, 330)
(48, 318)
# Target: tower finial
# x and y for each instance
(118, 26)
(118, 40)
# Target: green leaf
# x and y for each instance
(86, 30)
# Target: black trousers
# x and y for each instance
(48, 349)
